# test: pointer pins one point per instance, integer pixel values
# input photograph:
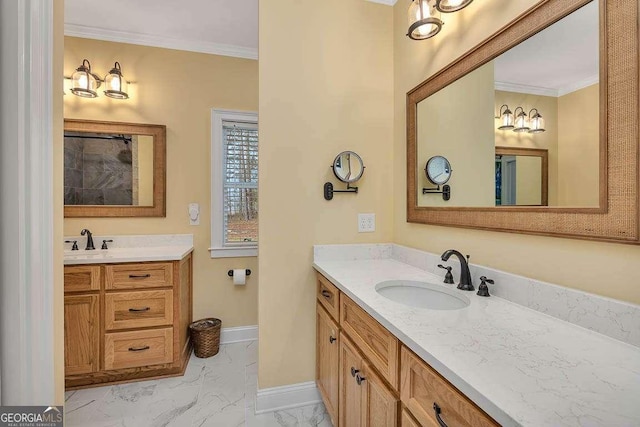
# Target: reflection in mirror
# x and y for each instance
(108, 169)
(348, 167)
(521, 177)
(554, 74)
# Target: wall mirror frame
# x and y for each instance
(616, 218)
(543, 155)
(159, 135)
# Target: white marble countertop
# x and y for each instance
(130, 249)
(522, 367)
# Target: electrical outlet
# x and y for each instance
(366, 223)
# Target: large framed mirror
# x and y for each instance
(114, 169)
(559, 83)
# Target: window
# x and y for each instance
(234, 184)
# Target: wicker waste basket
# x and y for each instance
(205, 334)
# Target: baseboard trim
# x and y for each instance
(287, 397)
(238, 334)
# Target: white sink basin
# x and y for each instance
(421, 295)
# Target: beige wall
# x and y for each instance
(548, 107)
(528, 180)
(455, 122)
(326, 75)
(176, 89)
(58, 200)
(578, 152)
(573, 263)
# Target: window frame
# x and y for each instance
(218, 247)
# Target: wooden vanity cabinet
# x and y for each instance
(126, 322)
(367, 378)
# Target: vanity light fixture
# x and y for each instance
(522, 121)
(115, 84)
(84, 82)
(506, 118)
(536, 121)
(448, 6)
(424, 21)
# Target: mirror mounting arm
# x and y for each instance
(446, 191)
(328, 190)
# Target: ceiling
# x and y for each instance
(222, 27)
(558, 60)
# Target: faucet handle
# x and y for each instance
(74, 247)
(104, 243)
(483, 289)
(448, 278)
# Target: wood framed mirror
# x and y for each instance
(608, 205)
(114, 169)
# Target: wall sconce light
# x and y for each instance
(522, 121)
(506, 118)
(84, 82)
(424, 16)
(536, 121)
(448, 6)
(424, 21)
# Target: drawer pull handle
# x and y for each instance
(354, 371)
(146, 347)
(139, 310)
(359, 379)
(139, 276)
(437, 410)
(326, 294)
(331, 339)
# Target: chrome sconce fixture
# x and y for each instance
(506, 118)
(521, 121)
(84, 82)
(536, 121)
(424, 16)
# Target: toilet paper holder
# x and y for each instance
(230, 272)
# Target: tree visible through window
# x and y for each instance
(240, 183)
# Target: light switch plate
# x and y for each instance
(366, 222)
(194, 214)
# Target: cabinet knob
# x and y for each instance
(359, 379)
(326, 294)
(354, 371)
(331, 340)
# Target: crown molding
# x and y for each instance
(86, 32)
(544, 91)
(387, 2)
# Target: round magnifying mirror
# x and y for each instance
(438, 170)
(348, 167)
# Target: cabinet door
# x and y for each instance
(81, 334)
(327, 365)
(380, 406)
(351, 364)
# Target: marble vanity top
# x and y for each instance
(523, 367)
(129, 248)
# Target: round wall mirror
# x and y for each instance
(438, 170)
(348, 167)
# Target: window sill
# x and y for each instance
(233, 252)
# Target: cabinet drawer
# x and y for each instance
(138, 348)
(421, 387)
(377, 344)
(138, 276)
(329, 296)
(81, 278)
(123, 310)
(407, 420)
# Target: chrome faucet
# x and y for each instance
(90, 246)
(465, 275)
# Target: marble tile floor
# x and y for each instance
(217, 391)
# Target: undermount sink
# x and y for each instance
(421, 295)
